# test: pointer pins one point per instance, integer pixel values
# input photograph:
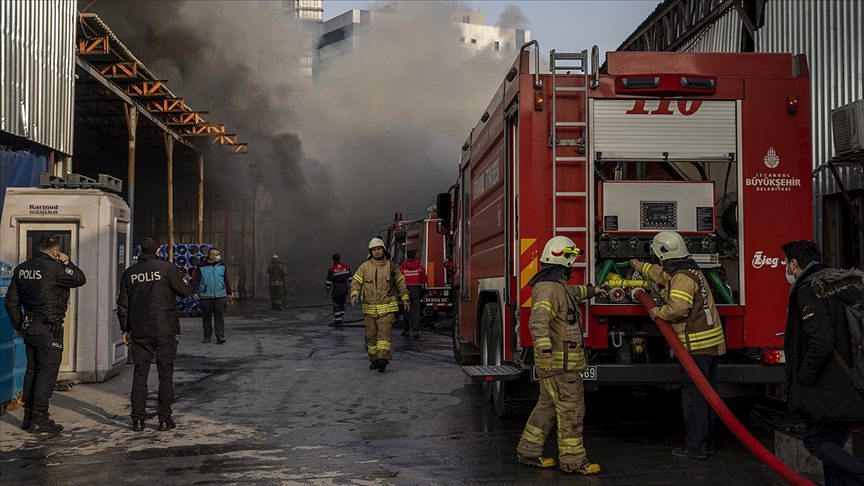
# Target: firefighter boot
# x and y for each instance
(137, 426)
(373, 365)
(536, 461)
(586, 468)
(43, 424)
(382, 365)
(28, 418)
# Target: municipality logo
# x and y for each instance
(772, 160)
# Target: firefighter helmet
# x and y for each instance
(375, 243)
(668, 245)
(560, 250)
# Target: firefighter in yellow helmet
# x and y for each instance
(559, 355)
(377, 285)
(689, 308)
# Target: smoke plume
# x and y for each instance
(380, 131)
(512, 18)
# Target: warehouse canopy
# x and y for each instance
(111, 81)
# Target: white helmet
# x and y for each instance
(275, 257)
(560, 250)
(668, 245)
(375, 243)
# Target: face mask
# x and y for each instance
(218, 258)
(789, 277)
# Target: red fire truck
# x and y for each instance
(714, 146)
(434, 251)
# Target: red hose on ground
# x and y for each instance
(717, 404)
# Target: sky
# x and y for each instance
(565, 26)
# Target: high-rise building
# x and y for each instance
(302, 41)
(343, 34)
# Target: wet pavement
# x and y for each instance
(289, 400)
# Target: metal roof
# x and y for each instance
(116, 79)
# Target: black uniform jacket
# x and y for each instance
(147, 304)
(819, 388)
(41, 285)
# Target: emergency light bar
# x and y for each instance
(666, 84)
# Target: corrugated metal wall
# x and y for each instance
(37, 78)
(724, 35)
(830, 33)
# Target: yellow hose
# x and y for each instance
(616, 281)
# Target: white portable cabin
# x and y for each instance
(93, 226)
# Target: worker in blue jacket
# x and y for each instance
(211, 286)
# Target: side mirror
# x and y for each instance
(443, 210)
(443, 206)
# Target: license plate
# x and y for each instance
(436, 300)
(590, 374)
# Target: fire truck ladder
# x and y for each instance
(578, 63)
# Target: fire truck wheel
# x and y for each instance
(488, 357)
(464, 353)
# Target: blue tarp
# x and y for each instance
(19, 169)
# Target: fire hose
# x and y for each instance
(753, 445)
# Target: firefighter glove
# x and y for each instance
(543, 359)
(654, 313)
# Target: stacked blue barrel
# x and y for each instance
(13, 357)
(187, 256)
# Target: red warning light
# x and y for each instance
(793, 103)
(538, 100)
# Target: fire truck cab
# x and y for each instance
(713, 146)
(434, 252)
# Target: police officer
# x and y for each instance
(337, 280)
(147, 309)
(41, 286)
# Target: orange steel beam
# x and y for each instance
(145, 88)
(172, 105)
(120, 70)
(202, 130)
(93, 45)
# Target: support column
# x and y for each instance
(132, 126)
(200, 198)
(169, 151)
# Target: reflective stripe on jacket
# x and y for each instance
(556, 326)
(689, 308)
(378, 284)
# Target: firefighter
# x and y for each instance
(378, 284)
(147, 311)
(337, 281)
(277, 272)
(556, 328)
(415, 280)
(689, 309)
(41, 286)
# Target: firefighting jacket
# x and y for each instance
(689, 309)
(337, 278)
(556, 326)
(147, 304)
(41, 286)
(377, 283)
(415, 277)
(277, 272)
